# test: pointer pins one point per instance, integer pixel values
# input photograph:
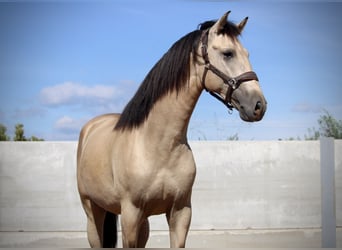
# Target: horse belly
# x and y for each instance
(99, 186)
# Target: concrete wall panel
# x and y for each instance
(239, 185)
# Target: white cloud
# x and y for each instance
(94, 100)
(74, 93)
(306, 108)
(69, 125)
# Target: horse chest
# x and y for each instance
(157, 191)
(164, 191)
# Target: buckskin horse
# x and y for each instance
(139, 163)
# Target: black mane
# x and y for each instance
(170, 73)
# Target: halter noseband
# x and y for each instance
(233, 83)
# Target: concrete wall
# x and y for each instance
(38, 187)
(239, 185)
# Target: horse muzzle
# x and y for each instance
(251, 110)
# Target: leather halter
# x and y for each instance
(233, 83)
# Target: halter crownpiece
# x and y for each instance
(233, 83)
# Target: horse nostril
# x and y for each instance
(258, 109)
(258, 106)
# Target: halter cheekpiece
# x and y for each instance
(233, 83)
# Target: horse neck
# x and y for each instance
(168, 121)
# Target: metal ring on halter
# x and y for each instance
(232, 82)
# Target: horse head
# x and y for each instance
(227, 72)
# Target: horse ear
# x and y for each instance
(219, 25)
(242, 24)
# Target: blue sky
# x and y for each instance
(62, 63)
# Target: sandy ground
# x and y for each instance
(291, 238)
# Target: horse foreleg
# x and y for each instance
(179, 223)
(131, 221)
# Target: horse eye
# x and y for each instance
(228, 54)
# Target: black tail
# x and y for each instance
(110, 230)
